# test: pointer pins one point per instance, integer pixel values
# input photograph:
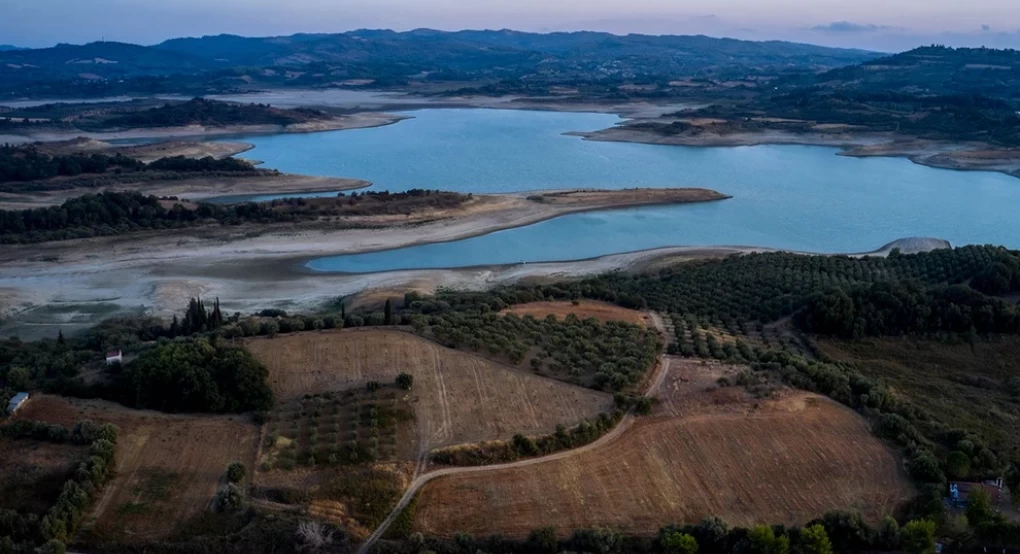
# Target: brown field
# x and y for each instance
(707, 451)
(602, 311)
(458, 397)
(168, 466)
(33, 472)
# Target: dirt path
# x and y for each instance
(662, 369)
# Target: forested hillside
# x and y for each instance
(931, 70)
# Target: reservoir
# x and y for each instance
(802, 198)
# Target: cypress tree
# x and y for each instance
(388, 313)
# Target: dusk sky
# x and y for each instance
(874, 24)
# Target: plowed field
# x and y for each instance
(707, 451)
(458, 397)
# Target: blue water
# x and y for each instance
(796, 197)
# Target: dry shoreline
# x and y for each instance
(248, 267)
(965, 156)
(362, 120)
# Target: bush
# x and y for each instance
(236, 472)
(405, 381)
(229, 498)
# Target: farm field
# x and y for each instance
(961, 386)
(168, 466)
(706, 451)
(33, 472)
(347, 427)
(458, 397)
(602, 311)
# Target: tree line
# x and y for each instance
(26, 163)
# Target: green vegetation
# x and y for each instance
(22, 532)
(833, 532)
(212, 113)
(767, 287)
(930, 70)
(498, 452)
(957, 117)
(612, 355)
(959, 384)
(906, 307)
(26, 163)
(370, 493)
(236, 472)
(195, 375)
(116, 213)
(342, 428)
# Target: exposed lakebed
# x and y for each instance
(793, 197)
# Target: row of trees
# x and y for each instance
(520, 446)
(835, 532)
(611, 355)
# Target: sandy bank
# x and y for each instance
(193, 189)
(944, 155)
(353, 121)
(71, 297)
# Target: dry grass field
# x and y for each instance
(602, 311)
(458, 397)
(706, 451)
(168, 466)
(33, 472)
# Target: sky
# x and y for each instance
(885, 25)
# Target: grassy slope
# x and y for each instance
(958, 386)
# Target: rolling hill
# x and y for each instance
(97, 60)
(473, 50)
(931, 70)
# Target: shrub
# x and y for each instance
(236, 472)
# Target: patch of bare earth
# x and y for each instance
(168, 466)
(706, 451)
(602, 311)
(458, 397)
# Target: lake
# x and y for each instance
(796, 197)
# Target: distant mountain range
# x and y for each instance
(525, 63)
(8, 47)
(467, 49)
(392, 56)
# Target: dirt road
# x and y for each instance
(662, 369)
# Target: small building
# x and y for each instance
(114, 357)
(17, 402)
